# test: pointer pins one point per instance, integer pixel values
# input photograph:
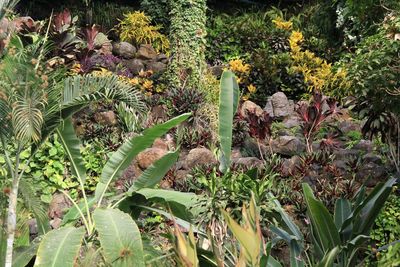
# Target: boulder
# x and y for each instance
(147, 52)
(149, 156)
(156, 66)
(199, 157)
(347, 126)
(162, 58)
(289, 166)
(365, 146)
(370, 157)
(288, 145)
(280, 105)
(128, 176)
(33, 227)
(345, 154)
(124, 49)
(248, 162)
(371, 174)
(249, 106)
(134, 65)
(58, 205)
(106, 118)
(160, 143)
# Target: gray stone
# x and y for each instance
(288, 145)
(147, 52)
(134, 65)
(370, 157)
(124, 49)
(106, 118)
(55, 223)
(162, 58)
(371, 174)
(58, 205)
(280, 105)
(33, 227)
(347, 126)
(345, 154)
(199, 157)
(156, 66)
(249, 106)
(248, 162)
(269, 108)
(292, 121)
(364, 145)
(217, 70)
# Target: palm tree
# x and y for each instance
(34, 101)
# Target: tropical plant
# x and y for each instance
(342, 236)
(34, 102)
(228, 104)
(254, 251)
(118, 234)
(136, 28)
(313, 115)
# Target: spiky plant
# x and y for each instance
(34, 102)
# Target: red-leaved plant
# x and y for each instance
(313, 115)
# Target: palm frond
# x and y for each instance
(6, 6)
(33, 203)
(27, 120)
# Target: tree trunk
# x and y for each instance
(12, 221)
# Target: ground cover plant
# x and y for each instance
(191, 133)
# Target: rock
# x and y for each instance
(158, 114)
(249, 106)
(248, 162)
(162, 58)
(281, 106)
(347, 126)
(58, 205)
(291, 122)
(33, 227)
(161, 144)
(269, 108)
(236, 153)
(55, 223)
(199, 157)
(149, 156)
(288, 145)
(345, 154)
(289, 166)
(217, 70)
(124, 49)
(128, 176)
(370, 157)
(181, 174)
(147, 52)
(364, 146)
(106, 118)
(252, 148)
(371, 174)
(134, 65)
(156, 66)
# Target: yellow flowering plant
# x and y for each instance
(242, 71)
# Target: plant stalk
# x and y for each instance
(12, 210)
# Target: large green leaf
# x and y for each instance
(121, 159)
(119, 237)
(324, 227)
(59, 248)
(329, 258)
(228, 103)
(23, 255)
(154, 174)
(369, 209)
(342, 212)
(180, 203)
(71, 145)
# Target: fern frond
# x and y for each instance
(33, 203)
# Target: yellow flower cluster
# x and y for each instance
(238, 66)
(282, 24)
(318, 74)
(242, 71)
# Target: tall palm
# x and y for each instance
(34, 102)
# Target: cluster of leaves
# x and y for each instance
(136, 28)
